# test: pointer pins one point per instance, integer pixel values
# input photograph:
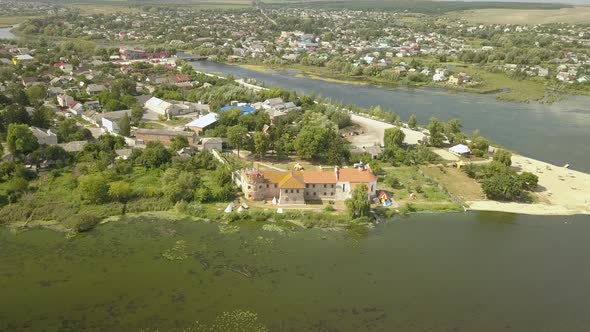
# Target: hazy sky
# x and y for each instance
(575, 2)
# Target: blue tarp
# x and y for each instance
(245, 109)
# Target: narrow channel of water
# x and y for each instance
(431, 272)
(557, 133)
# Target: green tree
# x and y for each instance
(94, 188)
(260, 144)
(358, 205)
(412, 122)
(393, 137)
(41, 117)
(154, 155)
(36, 94)
(136, 113)
(178, 142)
(125, 126)
(453, 126)
(15, 187)
(479, 146)
(436, 130)
(20, 139)
(120, 191)
(503, 156)
(312, 140)
(529, 181)
(179, 185)
(502, 186)
(237, 136)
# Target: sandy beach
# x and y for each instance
(561, 191)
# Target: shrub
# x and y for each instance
(83, 222)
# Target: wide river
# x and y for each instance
(431, 272)
(557, 133)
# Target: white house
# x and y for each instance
(158, 105)
(439, 77)
(205, 122)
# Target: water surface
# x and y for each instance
(6, 34)
(555, 133)
(432, 272)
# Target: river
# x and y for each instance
(430, 272)
(557, 133)
(6, 34)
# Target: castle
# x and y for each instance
(297, 187)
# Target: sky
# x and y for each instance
(573, 2)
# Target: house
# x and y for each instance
(201, 124)
(22, 58)
(110, 121)
(297, 187)
(158, 105)
(439, 77)
(74, 146)
(54, 91)
(374, 151)
(64, 100)
(44, 137)
(212, 143)
(275, 116)
(165, 137)
(75, 107)
(92, 105)
(94, 89)
(460, 150)
(272, 103)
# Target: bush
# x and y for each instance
(83, 222)
(329, 208)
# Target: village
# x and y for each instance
(390, 46)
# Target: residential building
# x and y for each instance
(94, 89)
(44, 136)
(212, 143)
(110, 121)
(201, 124)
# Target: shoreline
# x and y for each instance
(561, 190)
(503, 94)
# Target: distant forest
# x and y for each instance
(426, 7)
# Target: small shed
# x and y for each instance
(460, 150)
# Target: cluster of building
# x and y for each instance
(299, 187)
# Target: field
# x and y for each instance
(515, 16)
(11, 20)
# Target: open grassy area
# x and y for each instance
(410, 181)
(456, 182)
(12, 20)
(519, 16)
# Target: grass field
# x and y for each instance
(12, 20)
(516, 16)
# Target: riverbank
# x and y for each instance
(504, 87)
(561, 191)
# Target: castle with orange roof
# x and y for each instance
(297, 187)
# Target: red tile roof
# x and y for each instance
(353, 175)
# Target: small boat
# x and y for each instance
(566, 166)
